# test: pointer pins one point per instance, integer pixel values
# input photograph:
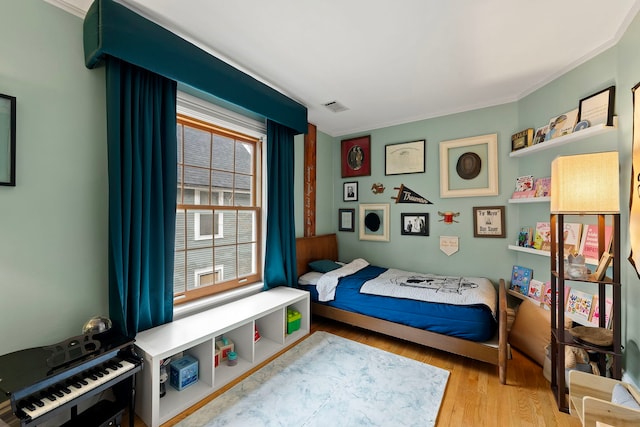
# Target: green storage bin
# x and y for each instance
(293, 320)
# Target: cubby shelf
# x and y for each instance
(195, 335)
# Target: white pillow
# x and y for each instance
(310, 278)
(621, 396)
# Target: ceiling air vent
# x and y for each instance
(335, 106)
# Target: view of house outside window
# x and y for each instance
(217, 245)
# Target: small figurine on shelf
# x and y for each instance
(164, 376)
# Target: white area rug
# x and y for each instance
(329, 380)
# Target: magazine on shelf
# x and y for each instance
(520, 279)
(542, 239)
(579, 305)
(589, 241)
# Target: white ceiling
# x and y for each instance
(393, 62)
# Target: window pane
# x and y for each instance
(243, 191)
(246, 226)
(197, 147)
(222, 183)
(199, 228)
(180, 229)
(223, 153)
(227, 222)
(226, 256)
(246, 259)
(199, 261)
(179, 129)
(196, 178)
(244, 158)
(179, 285)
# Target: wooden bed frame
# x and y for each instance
(495, 351)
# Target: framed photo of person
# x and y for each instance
(414, 224)
(356, 156)
(350, 191)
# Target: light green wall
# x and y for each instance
(53, 224)
(619, 66)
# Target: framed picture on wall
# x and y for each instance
(356, 156)
(374, 222)
(7, 140)
(346, 219)
(488, 221)
(469, 167)
(414, 224)
(350, 191)
(597, 109)
(405, 157)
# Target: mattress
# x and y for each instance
(475, 322)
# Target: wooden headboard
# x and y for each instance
(313, 248)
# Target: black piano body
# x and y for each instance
(40, 383)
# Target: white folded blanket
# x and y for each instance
(329, 281)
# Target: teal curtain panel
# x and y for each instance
(142, 150)
(280, 255)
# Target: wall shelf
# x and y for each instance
(529, 250)
(563, 140)
(546, 199)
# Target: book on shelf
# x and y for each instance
(524, 183)
(520, 279)
(589, 241)
(571, 237)
(579, 304)
(562, 125)
(542, 187)
(525, 237)
(546, 294)
(522, 139)
(542, 239)
(535, 289)
(541, 134)
(595, 316)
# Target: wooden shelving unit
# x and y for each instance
(560, 337)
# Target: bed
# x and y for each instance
(493, 350)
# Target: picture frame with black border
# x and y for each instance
(404, 158)
(597, 109)
(489, 221)
(469, 167)
(374, 222)
(414, 224)
(346, 219)
(350, 191)
(7, 140)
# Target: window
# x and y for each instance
(218, 218)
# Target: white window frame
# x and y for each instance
(199, 272)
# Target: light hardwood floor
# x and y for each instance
(474, 395)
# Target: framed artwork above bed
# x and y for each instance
(414, 224)
(374, 222)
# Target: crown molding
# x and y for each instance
(71, 7)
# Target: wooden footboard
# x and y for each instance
(494, 351)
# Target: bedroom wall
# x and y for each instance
(619, 65)
(53, 224)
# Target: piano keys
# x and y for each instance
(39, 391)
